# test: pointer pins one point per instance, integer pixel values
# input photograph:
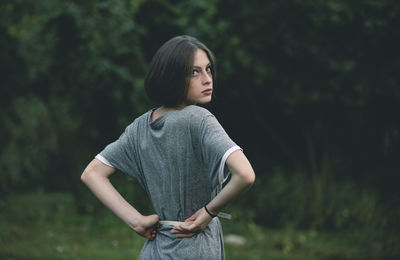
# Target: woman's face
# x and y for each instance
(201, 85)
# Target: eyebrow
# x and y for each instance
(199, 67)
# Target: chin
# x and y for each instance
(203, 102)
(200, 101)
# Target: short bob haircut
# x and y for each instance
(168, 78)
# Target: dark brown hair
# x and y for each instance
(168, 77)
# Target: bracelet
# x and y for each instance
(209, 213)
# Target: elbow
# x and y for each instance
(248, 178)
(252, 178)
(95, 172)
(85, 177)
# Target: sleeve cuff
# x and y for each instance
(103, 160)
(221, 177)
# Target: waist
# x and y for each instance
(187, 223)
(175, 223)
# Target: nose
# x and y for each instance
(207, 78)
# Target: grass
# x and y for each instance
(43, 226)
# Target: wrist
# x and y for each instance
(134, 219)
(210, 213)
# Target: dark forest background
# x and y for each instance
(309, 89)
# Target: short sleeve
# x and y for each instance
(120, 154)
(216, 146)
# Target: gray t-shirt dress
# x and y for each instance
(179, 159)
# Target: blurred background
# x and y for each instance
(309, 89)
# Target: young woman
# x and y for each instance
(180, 154)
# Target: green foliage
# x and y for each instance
(35, 132)
(80, 63)
(287, 200)
(310, 86)
(46, 226)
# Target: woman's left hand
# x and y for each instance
(199, 220)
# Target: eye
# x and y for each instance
(208, 69)
(195, 72)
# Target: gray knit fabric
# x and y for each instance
(176, 160)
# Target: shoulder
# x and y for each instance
(201, 119)
(197, 116)
(144, 117)
(138, 122)
(197, 112)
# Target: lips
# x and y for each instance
(207, 91)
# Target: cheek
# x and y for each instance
(193, 85)
(190, 88)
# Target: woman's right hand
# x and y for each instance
(96, 177)
(147, 226)
(200, 221)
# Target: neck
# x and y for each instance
(161, 110)
(179, 107)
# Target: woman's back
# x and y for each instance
(176, 158)
(173, 172)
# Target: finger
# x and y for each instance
(185, 235)
(179, 231)
(175, 231)
(157, 227)
(185, 228)
(192, 218)
(151, 236)
(179, 228)
(186, 232)
(189, 228)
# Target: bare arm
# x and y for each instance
(242, 178)
(96, 177)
